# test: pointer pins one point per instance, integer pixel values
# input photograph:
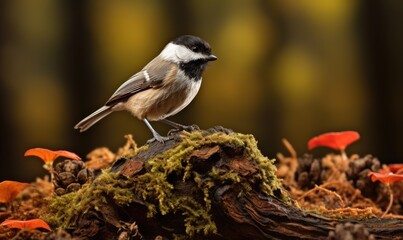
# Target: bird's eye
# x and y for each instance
(195, 49)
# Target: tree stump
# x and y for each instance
(207, 184)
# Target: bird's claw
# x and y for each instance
(159, 139)
(191, 128)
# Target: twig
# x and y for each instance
(325, 190)
(289, 147)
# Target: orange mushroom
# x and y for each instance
(392, 168)
(49, 156)
(336, 140)
(10, 189)
(28, 224)
(387, 179)
(396, 167)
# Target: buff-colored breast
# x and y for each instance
(158, 103)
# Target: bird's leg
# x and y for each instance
(180, 126)
(156, 135)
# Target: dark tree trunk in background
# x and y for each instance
(8, 150)
(269, 124)
(177, 12)
(382, 38)
(80, 76)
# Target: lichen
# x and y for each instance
(157, 190)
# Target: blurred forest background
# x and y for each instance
(286, 68)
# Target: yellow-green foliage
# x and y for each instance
(159, 194)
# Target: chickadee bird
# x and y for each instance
(164, 87)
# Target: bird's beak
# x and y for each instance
(211, 57)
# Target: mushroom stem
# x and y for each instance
(390, 200)
(343, 154)
(49, 168)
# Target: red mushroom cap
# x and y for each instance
(29, 224)
(10, 189)
(48, 156)
(385, 178)
(335, 140)
(396, 167)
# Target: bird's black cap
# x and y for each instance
(194, 43)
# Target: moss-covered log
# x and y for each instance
(211, 184)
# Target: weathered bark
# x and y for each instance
(260, 217)
(239, 206)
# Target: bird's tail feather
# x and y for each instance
(87, 122)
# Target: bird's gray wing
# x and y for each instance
(151, 76)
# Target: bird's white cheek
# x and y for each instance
(178, 53)
(186, 55)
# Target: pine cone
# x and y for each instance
(70, 175)
(350, 231)
(308, 172)
(357, 174)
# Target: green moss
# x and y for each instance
(64, 210)
(158, 192)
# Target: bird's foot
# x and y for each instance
(159, 139)
(190, 128)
